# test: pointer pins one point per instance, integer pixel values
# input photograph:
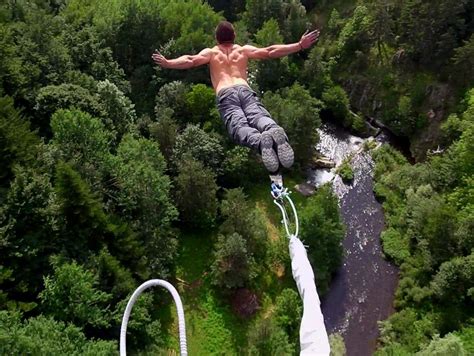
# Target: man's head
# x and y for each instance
(225, 32)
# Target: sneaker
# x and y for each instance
(269, 157)
(284, 150)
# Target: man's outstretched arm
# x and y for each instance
(281, 50)
(183, 62)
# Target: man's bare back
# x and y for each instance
(228, 66)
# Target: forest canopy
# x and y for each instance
(114, 170)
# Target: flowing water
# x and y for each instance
(362, 290)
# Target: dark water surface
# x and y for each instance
(362, 291)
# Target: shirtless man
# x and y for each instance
(245, 118)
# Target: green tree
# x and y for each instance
(64, 96)
(84, 142)
(118, 111)
(345, 171)
(432, 222)
(201, 104)
(165, 132)
(91, 56)
(464, 60)
(317, 71)
(196, 190)
(201, 146)
(452, 284)
(239, 217)
(144, 331)
(231, 8)
(355, 34)
(429, 32)
(84, 226)
(294, 20)
(336, 101)
(272, 74)
(395, 245)
(18, 145)
(46, 336)
(448, 345)
(233, 265)
(336, 342)
(428, 207)
(28, 234)
(71, 294)
(113, 276)
(408, 330)
(266, 338)
(188, 27)
(466, 335)
(33, 55)
(239, 167)
(142, 198)
(259, 11)
(323, 231)
(335, 22)
(172, 96)
(288, 312)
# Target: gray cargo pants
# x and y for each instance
(244, 116)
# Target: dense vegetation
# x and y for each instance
(430, 233)
(114, 171)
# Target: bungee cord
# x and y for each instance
(179, 310)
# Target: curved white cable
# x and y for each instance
(179, 310)
(283, 213)
(295, 214)
(285, 216)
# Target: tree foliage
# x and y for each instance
(267, 338)
(429, 234)
(143, 199)
(17, 143)
(233, 265)
(288, 312)
(71, 294)
(271, 75)
(239, 217)
(323, 231)
(196, 190)
(43, 335)
(110, 174)
(29, 226)
(199, 145)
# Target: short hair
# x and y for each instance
(225, 32)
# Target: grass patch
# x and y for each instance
(211, 327)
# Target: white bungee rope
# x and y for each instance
(179, 310)
(278, 198)
(313, 334)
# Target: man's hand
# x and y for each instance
(309, 38)
(159, 59)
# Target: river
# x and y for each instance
(362, 290)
